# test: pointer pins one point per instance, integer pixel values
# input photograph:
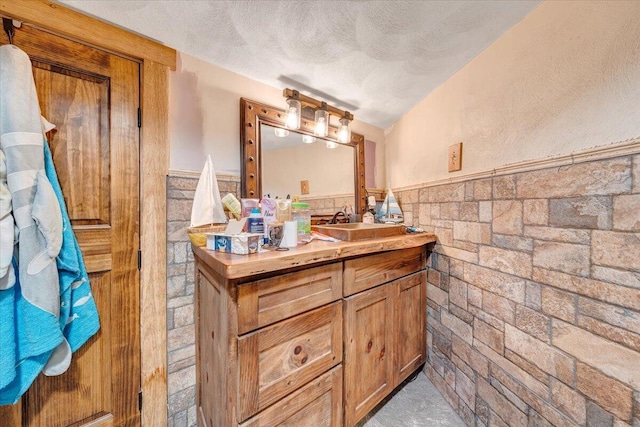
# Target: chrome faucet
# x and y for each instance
(334, 220)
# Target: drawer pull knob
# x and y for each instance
(297, 350)
(213, 334)
(369, 345)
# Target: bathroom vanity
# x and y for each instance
(314, 336)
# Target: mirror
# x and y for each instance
(277, 165)
(289, 160)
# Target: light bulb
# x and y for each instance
(344, 134)
(322, 121)
(321, 127)
(293, 113)
(308, 139)
(331, 145)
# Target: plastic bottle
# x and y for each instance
(255, 222)
(283, 210)
(232, 204)
(247, 206)
(302, 215)
(368, 218)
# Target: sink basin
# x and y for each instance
(355, 231)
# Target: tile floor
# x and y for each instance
(417, 404)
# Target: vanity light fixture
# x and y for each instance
(308, 139)
(322, 121)
(281, 133)
(297, 103)
(294, 110)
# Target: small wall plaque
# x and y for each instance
(304, 187)
(455, 157)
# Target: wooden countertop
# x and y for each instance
(233, 266)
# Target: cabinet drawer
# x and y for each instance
(267, 301)
(318, 403)
(280, 358)
(367, 272)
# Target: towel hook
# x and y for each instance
(7, 24)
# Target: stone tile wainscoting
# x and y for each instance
(328, 205)
(180, 293)
(534, 294)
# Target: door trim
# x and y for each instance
(156, 60)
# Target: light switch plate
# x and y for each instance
(304, 187)
(455, 157)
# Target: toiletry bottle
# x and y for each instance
(283, 210)
(232, 204)
(256, 223)
(247, 205)
(302, 215)
(268, 214)
(368, 218)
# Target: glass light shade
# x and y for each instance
(331, 145)
(322, 122)
(308, 139)
(294, 110)
(344, 133)
(281, 132)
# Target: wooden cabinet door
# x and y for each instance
(368, 361)
(410, 313)
(92, 97)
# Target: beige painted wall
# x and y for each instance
(565, 78)
(204, 111)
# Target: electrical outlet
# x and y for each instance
(455, 157)
(304, 187)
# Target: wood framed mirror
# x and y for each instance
(257, 118)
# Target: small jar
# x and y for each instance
(302, 215)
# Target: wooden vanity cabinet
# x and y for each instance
(316, 336)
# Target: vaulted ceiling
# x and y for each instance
(376, 59)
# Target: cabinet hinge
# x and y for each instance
(139, 117)
(139, 259)
(140, 400)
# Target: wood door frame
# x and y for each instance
(156, 60)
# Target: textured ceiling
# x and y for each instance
(376, 59)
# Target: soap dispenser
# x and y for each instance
(369, 215)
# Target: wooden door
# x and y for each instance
(410, 305)
(368, 338)
(92, 97)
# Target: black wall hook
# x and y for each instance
(7, 24)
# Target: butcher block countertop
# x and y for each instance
(232, 266)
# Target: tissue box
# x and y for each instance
(242, 244)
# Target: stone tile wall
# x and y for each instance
(533, 315)
(180, 304)
(328, 205)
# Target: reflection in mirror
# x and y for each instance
(336, 176)
(287, 160)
